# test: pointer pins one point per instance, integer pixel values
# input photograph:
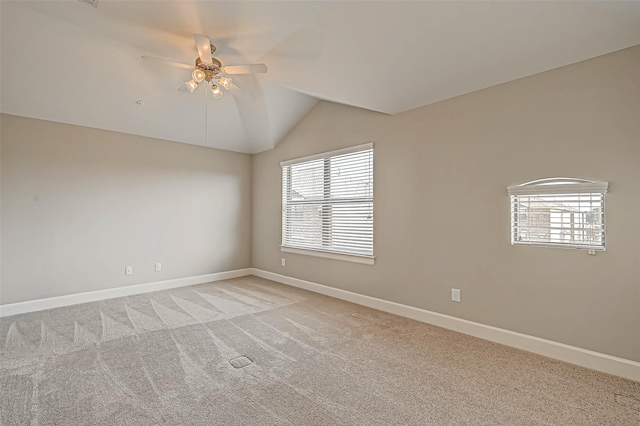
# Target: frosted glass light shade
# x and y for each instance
(226, 82)
(216, 92)
(191, 85)
(198, 75)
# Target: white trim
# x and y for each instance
(560, 246)
(559, 186)
(342, 151)
(585, 358)
(597, 361)
(110, 293)
(365, 260)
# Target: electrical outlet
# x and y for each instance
(455, 295)
(128, 270)
(283, 262)
(158, 267)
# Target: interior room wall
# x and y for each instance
(80, 204)
(442, 211)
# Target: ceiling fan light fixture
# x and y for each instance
(216, 92)
(226, 82)
(209, 69)
(198, 75)
(191, 85)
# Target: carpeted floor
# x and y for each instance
(252, 352)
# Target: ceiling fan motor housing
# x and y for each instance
(210, 71)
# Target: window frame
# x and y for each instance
(320, 251)
(567, 187)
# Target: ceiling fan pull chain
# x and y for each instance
(206, 117)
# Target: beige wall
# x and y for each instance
(442, 212)
(79, 204)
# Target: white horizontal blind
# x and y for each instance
(561, 219)
(327, 203)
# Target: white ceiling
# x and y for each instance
(67, 61)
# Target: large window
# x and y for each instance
(560, 212)
(327, 204)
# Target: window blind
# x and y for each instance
(327, 202)
(559, 212)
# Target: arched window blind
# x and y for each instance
(327, 202)
(560, 212)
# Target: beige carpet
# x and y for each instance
(301, 358)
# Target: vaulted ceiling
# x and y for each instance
(70, 62)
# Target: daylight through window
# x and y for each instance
(561, 212)
(327, 202)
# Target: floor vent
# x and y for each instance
(240, 362)
(93, 3)
(358, 315)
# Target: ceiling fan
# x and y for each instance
(210, 69)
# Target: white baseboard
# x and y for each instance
(585, 358)
(110, 293)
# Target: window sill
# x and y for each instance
(561, 246)
(365, 260)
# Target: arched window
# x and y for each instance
(559, 212)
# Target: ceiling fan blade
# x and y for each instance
(168, 62)
(245, 69)
(203, 44)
